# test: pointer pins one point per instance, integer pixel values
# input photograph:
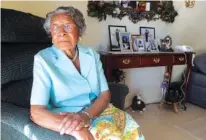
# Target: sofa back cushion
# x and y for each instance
(22, 37)
(17, 92)
(17, 60)
(17, 26)
(17, 72)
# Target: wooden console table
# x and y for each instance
(124, 61)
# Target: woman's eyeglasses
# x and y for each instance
(66, 27)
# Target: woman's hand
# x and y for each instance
(83, 134)
(73, 122)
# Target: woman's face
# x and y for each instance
(64, 32)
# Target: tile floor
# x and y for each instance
(163, 124)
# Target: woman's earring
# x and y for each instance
(80, 39)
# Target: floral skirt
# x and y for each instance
(115, 124)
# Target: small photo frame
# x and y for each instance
(164, 45)
(148, 33)
(151, 46)
(168, 41)
(125, 42)
(114, 36)
(138, 43)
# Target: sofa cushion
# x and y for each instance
(10, 133)
(200, 63)
(198, 79)
(14, 116)
(197, 89)
(19, 119)
(17, 26)
(197, 95)
(17, 92)
(17, 60)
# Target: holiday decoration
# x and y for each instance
(164, 85)
(135, 10)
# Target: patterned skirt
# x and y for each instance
(115, 124)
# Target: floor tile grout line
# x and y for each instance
(202, 117)
(158, 119)
(175, 126)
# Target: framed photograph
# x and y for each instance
(125, 42)
(168, 41)
(148, 33)
(165, 45)
(138, 43)
(151, 46)
(114, 36)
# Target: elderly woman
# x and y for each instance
(70, 94)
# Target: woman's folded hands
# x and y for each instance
(74, 124)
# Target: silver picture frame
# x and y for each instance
(114, 39)
(125, 42)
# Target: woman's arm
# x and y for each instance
(40, 96)
(45, 118)
(95, 110)
(100, 104)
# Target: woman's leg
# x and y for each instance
(115, 124)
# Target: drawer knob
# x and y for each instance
(126, 61)
(156, 60)
(181, 59)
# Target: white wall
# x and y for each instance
(189, 28)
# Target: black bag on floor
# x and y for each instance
(174, 94)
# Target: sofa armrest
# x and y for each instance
(200, 63)
(19, 119)
(118, 94)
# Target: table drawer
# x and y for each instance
(126, 62)
(159, 60)
(179, 59)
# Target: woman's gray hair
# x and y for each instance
(76, 15)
